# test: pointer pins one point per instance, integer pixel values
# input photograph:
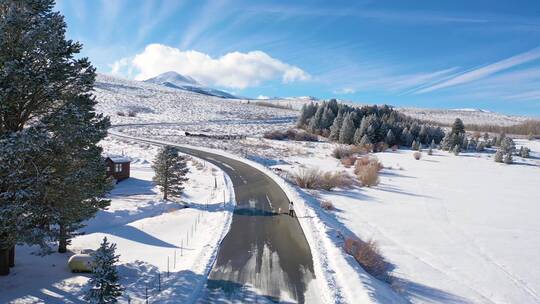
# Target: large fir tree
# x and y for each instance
(40, 76)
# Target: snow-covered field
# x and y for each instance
(457, 229)
(152, 235)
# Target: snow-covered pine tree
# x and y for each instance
(365, 141)
(498, 157)
(524, 152)
(78, 183)
(346, 133)
(430, 151)
(508, 159)
(315, 121)
(327, 118)
(357, 136)
(530, 136)
(104, 286)
(414, 145)
(432, 145)
(456, 150)
(170, 171)
(40, 72)
(390, 138)
(336, 126)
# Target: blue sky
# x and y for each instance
(437, 54)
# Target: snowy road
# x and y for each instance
(265, 256)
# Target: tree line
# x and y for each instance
(366, 125)
(52, 174)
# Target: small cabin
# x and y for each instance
(118, 167)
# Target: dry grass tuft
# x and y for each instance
(368, 255)
(316, 179)
(417, 155)
(367, 170)
(327, 205)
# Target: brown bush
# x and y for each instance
(316, 179)
(367, 170)
(291, 134)
(343, 151)
(395, 148)
(417, 155)
(368, 255)
(348, 161)
(327, 205)
(132, 113)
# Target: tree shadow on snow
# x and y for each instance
(132, 186)
(417, 292)
(136, 235)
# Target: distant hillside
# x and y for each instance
(176, 81)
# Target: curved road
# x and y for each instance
(265, 256)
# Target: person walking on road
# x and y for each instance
(291, 209)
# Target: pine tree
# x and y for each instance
(524, 152)
(364, 142)
(357, 136)
(458, 127)
(170, 171)
(508, 159)
(315, 121)
(432, 145)
(336, 126)
(430, 151)
(498, 156)
(346, 133)
(327, 118)
(531, 136)
(486, 136)
(104, 283)
(480, 147)
(390, 138)
(40, 73)
(456, 150)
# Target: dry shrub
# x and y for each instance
(291, 134)
(348, 161)
(316, 179)
(120, 113)
(368, 255)
(395, 148)
(367, 170)
(417, 155)
(132, 113)
(343, 151)
(327, 205)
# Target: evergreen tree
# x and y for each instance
(40, 73)
(458, 127)
(414, 145)
(364, 142)
(508, 159)
(524, 152)
(456, 150)
(531, 136)
(346, 133)
(486, 137)
(390, 138)
(170, 171)
(357, 136)
(303, 117)
(104, 283)
(432, 145)
(498, 157)
(327, 118)
(336, 126)
(507, 145)
(315, 121)
(430, 151)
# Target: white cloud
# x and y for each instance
(345, 91)
(233, 70)
(485, 71)
(263, 97)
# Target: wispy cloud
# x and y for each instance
(209, 15)
(485, 71)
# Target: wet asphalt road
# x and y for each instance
(265, 256)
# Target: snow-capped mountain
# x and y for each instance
(176, 81)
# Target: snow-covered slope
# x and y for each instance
(177, 81)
